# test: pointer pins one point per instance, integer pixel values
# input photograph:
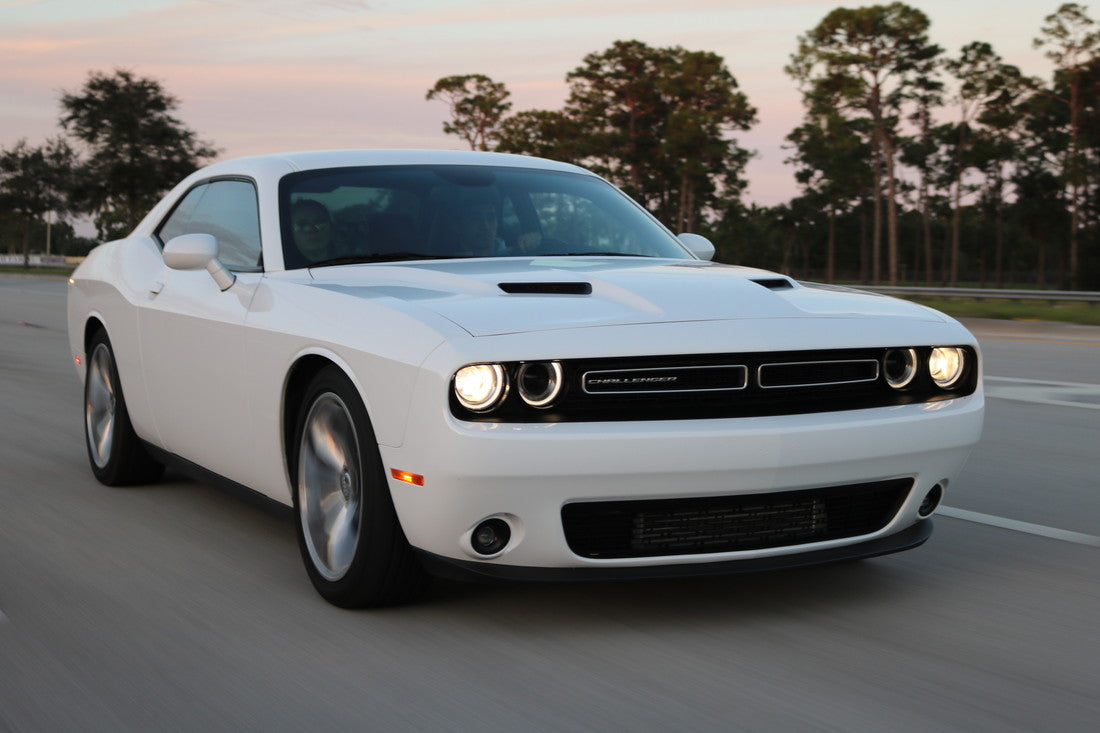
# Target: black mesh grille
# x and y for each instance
(620, 529)
(817, 373)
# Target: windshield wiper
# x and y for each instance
(381, 257)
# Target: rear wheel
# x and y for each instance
(351, 541)
(115, 452)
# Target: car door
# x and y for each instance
(192, 333)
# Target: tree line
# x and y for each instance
(913, 164)
(121, 151)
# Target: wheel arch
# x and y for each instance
(298, 379)
(92, 326)
(394, 575)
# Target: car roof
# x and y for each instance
(315, 159)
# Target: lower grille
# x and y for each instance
(646, 528)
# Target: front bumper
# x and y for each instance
(526, 473)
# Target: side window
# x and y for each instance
(228, 211)
(176, 223)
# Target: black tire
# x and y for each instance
(115, 452)
(355, 552)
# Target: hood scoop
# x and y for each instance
(774, 283)
(550, 288)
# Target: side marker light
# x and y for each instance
(410, 478)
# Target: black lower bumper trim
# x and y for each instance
(447, 567)
(205, 476)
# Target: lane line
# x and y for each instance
(1044, 392)
(1064, 535)
(1040, 400)
(1023, 380)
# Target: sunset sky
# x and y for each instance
(256, 76)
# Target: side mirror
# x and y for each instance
(698, 245)
(197, 252)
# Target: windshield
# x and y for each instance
(392, 213)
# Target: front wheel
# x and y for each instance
(115, 452)
(351, 541)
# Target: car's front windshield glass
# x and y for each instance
(393, 213)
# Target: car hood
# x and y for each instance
(488, 297)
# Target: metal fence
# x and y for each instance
(1053, 296)
(34, 260)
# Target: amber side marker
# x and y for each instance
(410, 478)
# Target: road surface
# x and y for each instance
(179, 607)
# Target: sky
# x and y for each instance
(264, 76)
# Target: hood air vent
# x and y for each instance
(775, 283)
(554, 288)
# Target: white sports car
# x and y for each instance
(494, 365)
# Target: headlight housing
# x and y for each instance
(946, 365)
(480, 387)
(540, 382)
(899, 366)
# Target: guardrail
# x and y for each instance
(1054, 296)
(33, 260)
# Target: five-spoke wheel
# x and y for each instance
(351, 541)
(115, 452)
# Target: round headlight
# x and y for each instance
(899, 366)
(479, 387)
(539, 382)
(945, 365)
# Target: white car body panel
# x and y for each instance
(624, 292)
(205, 374)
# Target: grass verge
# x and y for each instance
(18, 270)
(1067, 312)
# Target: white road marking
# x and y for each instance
(1044, 392)
(3, 618)
(1037, 529)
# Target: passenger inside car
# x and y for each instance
(313, 231)
(468, 224)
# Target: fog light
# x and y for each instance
(539, 382)
(931, 501)
(491, 536)
(945, 365)
(899, 366)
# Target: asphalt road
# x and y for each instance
(179, 607)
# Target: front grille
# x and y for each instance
(816, 373)
(691, 526)
(717, 378)
(701, 386)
